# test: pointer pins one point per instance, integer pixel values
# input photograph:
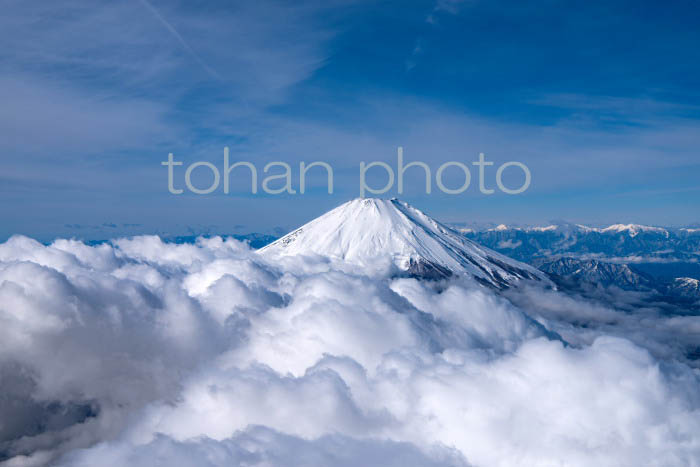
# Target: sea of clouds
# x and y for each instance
(140, 353)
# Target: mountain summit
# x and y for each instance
(364, 229)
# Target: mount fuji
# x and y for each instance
(366, 229)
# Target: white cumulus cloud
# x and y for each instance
(140, 352)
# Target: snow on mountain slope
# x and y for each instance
(548, 228)
(685, 287)
(595, 272)
(631, 229)
(364, 229)
(634, 229)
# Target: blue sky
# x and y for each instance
(599, 99)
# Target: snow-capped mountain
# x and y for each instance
(664, 261)
(634, 229)
(615, 243)
(685, 287)
(364, 229)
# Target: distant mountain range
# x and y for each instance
(660, 260)
(598, 272)
(621, 243)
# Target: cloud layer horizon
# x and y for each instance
(140, 352)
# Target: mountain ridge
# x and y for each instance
(363, 229)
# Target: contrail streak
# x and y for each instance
(179, 38)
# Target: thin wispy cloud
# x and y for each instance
(171, 29)
(314, 67)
